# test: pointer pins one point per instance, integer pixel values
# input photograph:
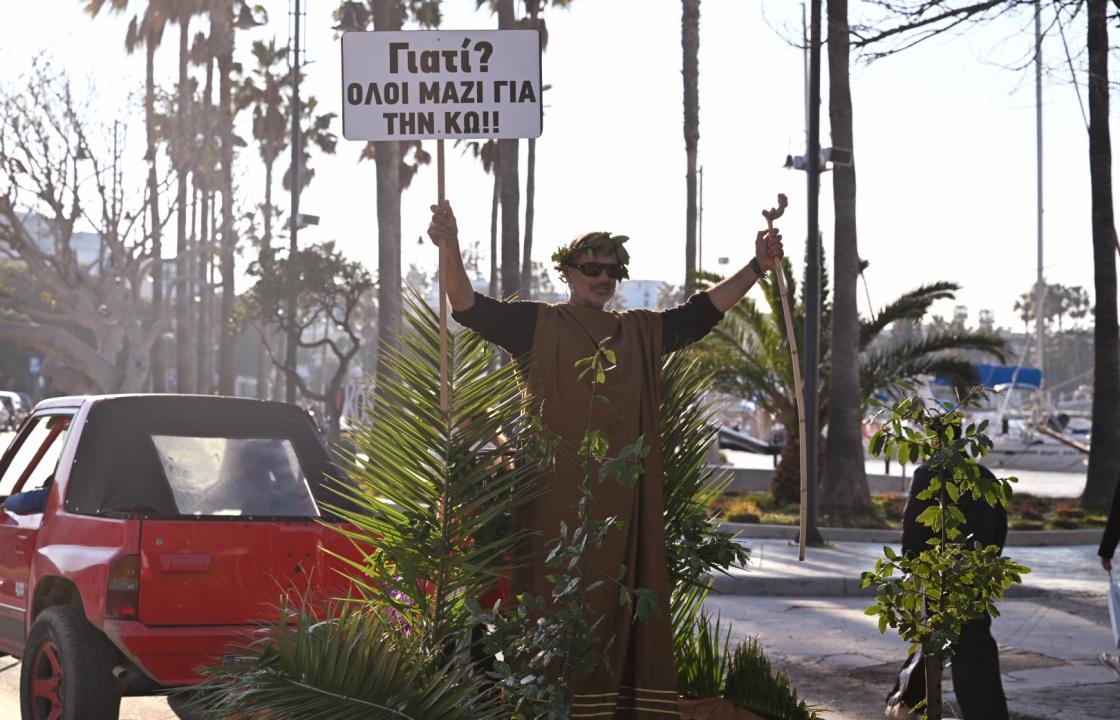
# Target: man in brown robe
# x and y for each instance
(640, 682)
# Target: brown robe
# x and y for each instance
(640, 682)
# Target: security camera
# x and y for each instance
(303, 220)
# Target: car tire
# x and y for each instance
(67, 669)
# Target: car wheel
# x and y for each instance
(67, 671)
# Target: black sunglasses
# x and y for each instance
(592, 269)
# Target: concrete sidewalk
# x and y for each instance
(835, 570)
(809, 617)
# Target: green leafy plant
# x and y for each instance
(748, 355)
(696, 546)
(436, 511)
(928, 597)
(753, 684)
(351, 665)
(708, 668)
(536, 633)
(702, 659)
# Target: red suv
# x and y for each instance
(144, 536)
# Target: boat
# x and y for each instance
(1027, 432)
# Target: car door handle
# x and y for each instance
(184, 563)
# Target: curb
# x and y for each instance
(1015, 538)
(829, 586)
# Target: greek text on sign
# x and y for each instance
(441, 84)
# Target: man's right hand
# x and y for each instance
(443, 228)
(1106, 563)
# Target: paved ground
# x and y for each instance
(809, 617)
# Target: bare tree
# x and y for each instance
(48, 160)
(330, 292)
(909, 22)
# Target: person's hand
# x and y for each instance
(768, 249)
(1106, 563)
(443, 227)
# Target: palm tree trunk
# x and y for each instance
(508, 160)
(184, 370)
(228, 243)
(205, 291)
(494, 204)
(844, 493)
(530, 192)
(264, 365)
(690, 42)
(202, 337)
(387, 157)
(1104, 458)
(158, 368)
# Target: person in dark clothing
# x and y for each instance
(1109, 540)
(1111, 536)
(638, 681)
(975, 662)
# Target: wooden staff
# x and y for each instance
(771, 215)
(444, 404)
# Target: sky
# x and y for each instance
(944, 142)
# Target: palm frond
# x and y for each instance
(696, 546)
(937, 354)
(910, 306)
(436, 508)
(351, 666)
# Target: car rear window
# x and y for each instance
(170, 455)
(234, 476)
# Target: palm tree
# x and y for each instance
(184, 338)
(748, 357)
(440, 522)
(204, 172)
(222, 37)
(1104, 458)
(508, 164)
(416, 491)
(390, 158)
(263, 91)
(271, 119)
(844, 493)
(690, 42)
(147, 29)
(487, 153)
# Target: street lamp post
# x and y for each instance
(291, 357)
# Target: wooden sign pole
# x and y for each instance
(772, 215)
(444, 404)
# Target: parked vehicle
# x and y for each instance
(144, 536)
(16, 407)
(7, 414)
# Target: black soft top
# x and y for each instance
(117, 469)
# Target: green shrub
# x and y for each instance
(753, 684)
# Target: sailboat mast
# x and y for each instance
(1040, 286)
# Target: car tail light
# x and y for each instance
(124, 588)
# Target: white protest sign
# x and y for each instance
(413, 85)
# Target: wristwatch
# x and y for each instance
(753, 264)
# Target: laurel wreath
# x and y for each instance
(596, 242)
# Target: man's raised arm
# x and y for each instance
(768, 252)
(444, 232)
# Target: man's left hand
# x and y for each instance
(768, 249)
